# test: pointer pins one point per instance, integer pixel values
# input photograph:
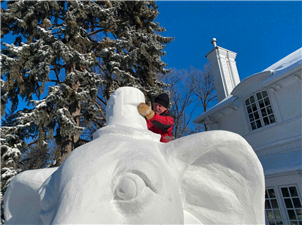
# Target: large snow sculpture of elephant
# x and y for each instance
(125, 175)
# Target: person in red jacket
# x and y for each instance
(159, 120)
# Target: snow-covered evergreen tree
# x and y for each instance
(10, 156)
(51, 64)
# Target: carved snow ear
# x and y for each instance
(221, 179)
(21, 200)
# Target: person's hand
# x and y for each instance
(145, 110)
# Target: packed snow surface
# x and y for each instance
(126, 176)
(122, 108)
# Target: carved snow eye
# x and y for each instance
(132, 184)
(134, 191)
(129, 187)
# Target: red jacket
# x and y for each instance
(162, 124)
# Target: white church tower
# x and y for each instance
(224, 70)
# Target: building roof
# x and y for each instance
(284, 67)
(274, 73)
(228, 101)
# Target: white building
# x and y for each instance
(266, 109)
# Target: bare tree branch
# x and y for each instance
(203, 87)
(181, 98)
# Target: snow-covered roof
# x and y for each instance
(221, 105)
(281, 163)
(288, 62)
(284, 66)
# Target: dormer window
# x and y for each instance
(259, 110)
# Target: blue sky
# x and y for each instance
(260, 32)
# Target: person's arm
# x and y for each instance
(163, 122)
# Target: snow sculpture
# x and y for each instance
(125, 175)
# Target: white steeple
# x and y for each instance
(224, 70)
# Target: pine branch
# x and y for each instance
(95, 32)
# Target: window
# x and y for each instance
(272, 211)
(292, 203)
(259, 110)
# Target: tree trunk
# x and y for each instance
(69, 143)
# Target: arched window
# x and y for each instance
(259, 110)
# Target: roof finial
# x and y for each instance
(214, 42)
